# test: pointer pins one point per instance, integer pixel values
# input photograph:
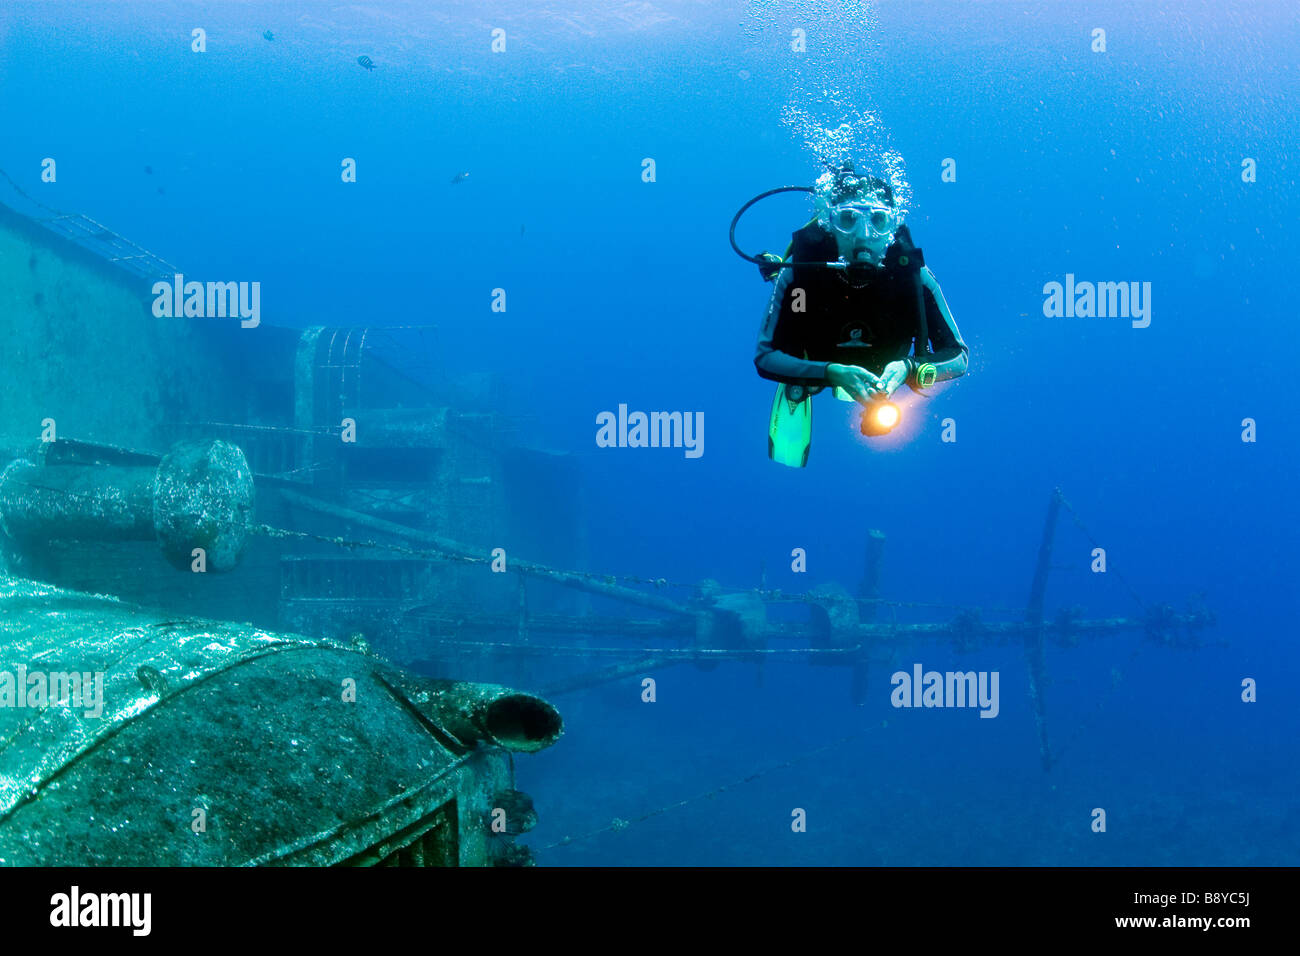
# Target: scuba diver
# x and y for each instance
(852, 298)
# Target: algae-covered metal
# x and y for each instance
(199, 496)
(132, 739)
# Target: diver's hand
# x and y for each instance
(768, 267)
(857, 381)
(892, 377)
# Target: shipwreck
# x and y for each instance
(305, 569)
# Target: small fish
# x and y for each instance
(365, 61)
(459, 178)
(152, 679)
(269, 35)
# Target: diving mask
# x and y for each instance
(863, 220)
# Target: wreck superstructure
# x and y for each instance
(328, 414)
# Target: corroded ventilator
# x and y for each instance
(462, 715)
(198, 495)
(302, 750)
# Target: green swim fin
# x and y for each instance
(789, 434)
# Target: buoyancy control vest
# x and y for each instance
(863, 315)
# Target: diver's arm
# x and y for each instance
(950, 355)
(770, 361)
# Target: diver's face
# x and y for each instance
(863, 232)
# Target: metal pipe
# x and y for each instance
(869, 591)
(1000, 632)
(606, 675)
(198, 495)
(1034, 656)
(459, 551)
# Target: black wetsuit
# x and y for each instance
(869, 326)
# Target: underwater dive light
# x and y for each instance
(880, 418)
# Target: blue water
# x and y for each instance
(1117, 166)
